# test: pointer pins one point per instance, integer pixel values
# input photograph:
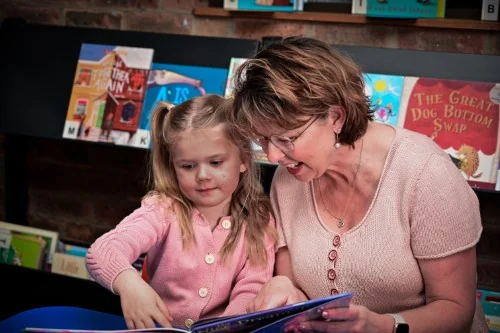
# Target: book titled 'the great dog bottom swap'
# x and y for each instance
(266, 321)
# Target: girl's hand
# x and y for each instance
(276, 292)
(141, 305)
(353, 319)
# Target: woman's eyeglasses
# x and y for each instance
(283, 143)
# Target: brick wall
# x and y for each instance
(82, 189)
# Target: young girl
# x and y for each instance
(206, 225)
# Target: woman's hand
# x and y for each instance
(276, 292)
(141, 305)
(353, 319)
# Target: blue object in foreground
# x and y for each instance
(62, 317)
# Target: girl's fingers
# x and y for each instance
(130, 323)
(149, 323)
(164, 310)
(160, 319)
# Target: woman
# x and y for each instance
(360, 206)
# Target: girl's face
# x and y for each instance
(207, 166)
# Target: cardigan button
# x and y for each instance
(332, 255)
(334, 292)
(226, 224)
(336, 240)
(331, 274)
(188, 322)
(203, 292)
(209, 259)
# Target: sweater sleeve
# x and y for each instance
(250, 280)
(445, 217)
(116, 250)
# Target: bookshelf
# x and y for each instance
(446, 23)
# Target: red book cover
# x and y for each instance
(462, 117)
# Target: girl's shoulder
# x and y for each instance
(159, 202)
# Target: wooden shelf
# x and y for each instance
(349, 18)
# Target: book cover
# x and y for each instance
(462, 117)
(101, 70)
(234, 64)
(267, 321)
(49, 237)
(22, 250)
(409, 9)
(70, 265)
(385, 96)
(265, 5)
(175, 84)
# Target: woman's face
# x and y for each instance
(311, 149)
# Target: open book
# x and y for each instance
(266, 321)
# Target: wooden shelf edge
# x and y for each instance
(350, 18)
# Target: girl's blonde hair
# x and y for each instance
(288, 82)
(249, 205)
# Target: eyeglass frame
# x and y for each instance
(274, 139)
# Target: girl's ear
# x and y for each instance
(243, 167)
(336, 116)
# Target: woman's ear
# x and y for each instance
(336, 115)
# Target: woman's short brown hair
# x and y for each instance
(300, 77)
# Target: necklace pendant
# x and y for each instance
(340, 223)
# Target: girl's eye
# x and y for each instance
(216, 163)
(187, 166)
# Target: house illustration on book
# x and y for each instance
(107, 74)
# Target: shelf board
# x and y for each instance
(463, 24)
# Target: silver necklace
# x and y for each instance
(340, 220)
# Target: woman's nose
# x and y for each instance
(274, 154)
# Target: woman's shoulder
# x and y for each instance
(417, 141)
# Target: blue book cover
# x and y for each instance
(265, 5)
(176, 84)
(266, 321)
(385, 95)
(408, 9)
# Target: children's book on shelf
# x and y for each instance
(385, 96)
(266, 321)
(462, 117)
(265, 5)
(176, 84)
(27, 246)
(234, 64)
(107, 93)
(409, 9)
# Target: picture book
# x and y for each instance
(265, 5)
(385, 96)
(70, 265)
(266, 321)
(462, 117)
(409, 9)
(27, 246)
(175, 84)
(107, 93)
(234, 64)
